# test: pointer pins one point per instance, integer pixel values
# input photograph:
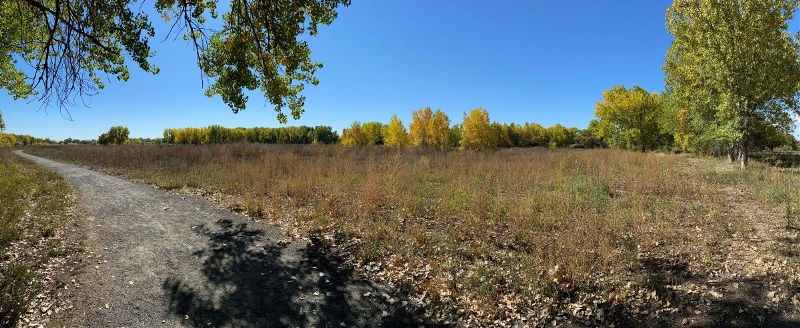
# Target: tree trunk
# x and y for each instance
(745, 113)
(743, 153)
(731, 152)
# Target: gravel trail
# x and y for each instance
(169, 260)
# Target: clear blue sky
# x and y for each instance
(524, 61)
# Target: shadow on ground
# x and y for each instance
(251, 282)
(741, 302)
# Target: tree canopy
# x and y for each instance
(477, 132)
(731, 64)
(116, 135)
(395, 133)
(69, 44)
(629, 118)
(418, 129)
(366, 134)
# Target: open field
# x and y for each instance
(523, 236)
(34, 241)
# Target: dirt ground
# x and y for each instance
(749, 279)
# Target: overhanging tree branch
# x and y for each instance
(93, 39)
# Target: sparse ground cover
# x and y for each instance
(518, 236)
(34, 238)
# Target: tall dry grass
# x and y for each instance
(490, 234)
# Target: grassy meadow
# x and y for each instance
(479, 238)
(33, 204)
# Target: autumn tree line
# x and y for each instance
(433, 129)
(626, 118)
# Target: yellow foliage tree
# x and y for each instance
(353, 136)
(7, 140)
(366, 134)
(477, 132)
(420, 120)
(560, 136)
(629, 118)
(395, 134)
(438, 130)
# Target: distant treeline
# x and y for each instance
(430, 128)
(216, 134)
(10, 139)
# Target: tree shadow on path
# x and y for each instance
(248, 281)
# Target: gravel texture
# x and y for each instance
(160, 259)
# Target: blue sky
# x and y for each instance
(524, 61)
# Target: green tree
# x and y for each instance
(533, 134)
(259, 44)
(628, 118)
(2, 123)
(729, 62)
(395, 134)
(771, 135)
(116, 135)
(325, 135)
(454, 136)
(587, 138)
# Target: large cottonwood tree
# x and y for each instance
(628, 118)
(116, 135)
(732, 61)
(59, 50)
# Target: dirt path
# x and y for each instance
(753, 277)
(159, 259)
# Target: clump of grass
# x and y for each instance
(17, 288)
(489, 234)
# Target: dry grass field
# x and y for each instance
(516, 236)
